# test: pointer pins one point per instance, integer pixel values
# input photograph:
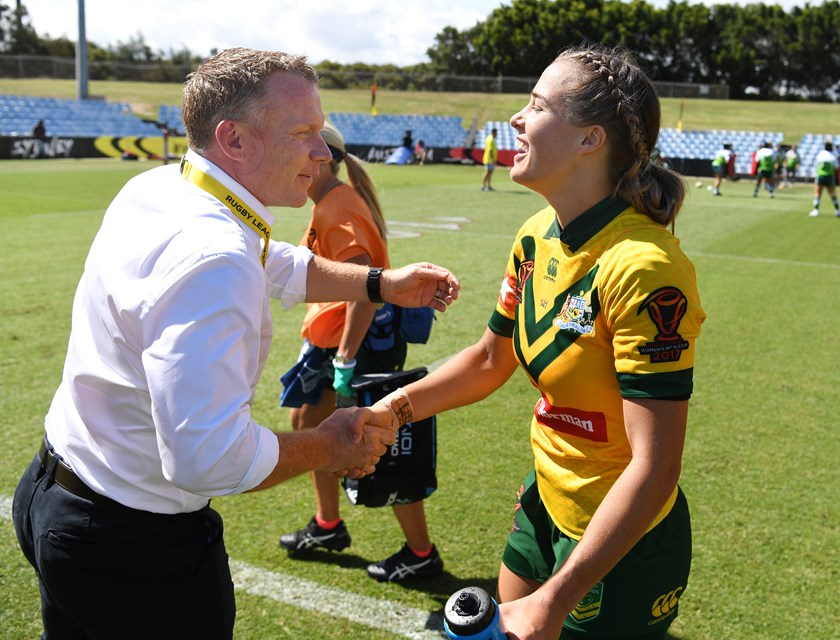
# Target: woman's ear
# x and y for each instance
(595, 138)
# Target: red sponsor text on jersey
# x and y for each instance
(591, 425)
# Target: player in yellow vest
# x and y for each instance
(599, 307)
(491, 155)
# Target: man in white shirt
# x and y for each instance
(171, 328)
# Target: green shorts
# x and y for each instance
(637, 599)
(826, 181)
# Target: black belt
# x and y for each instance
(64, 476)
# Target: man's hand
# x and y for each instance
(355, 446)
(420, 285)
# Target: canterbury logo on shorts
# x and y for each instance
(665, 605)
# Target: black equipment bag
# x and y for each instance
(406, 473)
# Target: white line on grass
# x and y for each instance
(380, 614)
(445, 226)
(794, 263)
(397, 619)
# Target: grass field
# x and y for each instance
(760, 468)
(793, 119)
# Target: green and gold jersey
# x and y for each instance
(605, 309)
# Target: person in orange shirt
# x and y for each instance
(347, 226)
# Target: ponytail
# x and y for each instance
(653, 190)
(362, 183)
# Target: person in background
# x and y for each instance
(347, 225)
(171, 329)
(599, 307)
(39, 132)
(765, 159)
(408, 140)
(720, 166)
(826, 178)
(779, 178)
(491, 156)
(791, 166)
(420, 152)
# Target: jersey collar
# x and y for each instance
(586, 225)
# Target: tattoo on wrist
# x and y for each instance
(401, 407)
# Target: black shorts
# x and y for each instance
(306, 381)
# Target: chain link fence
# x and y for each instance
(29, 66)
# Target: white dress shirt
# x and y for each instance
(171, 329)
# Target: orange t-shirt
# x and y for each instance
(341, 228)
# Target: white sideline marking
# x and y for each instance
(460, 219)
(795, 263)
(397, 619)
(379, 614)
(399, 233)
(446, 226)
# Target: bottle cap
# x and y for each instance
(469, 611)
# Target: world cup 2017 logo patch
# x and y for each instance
(666, 307)
(526, 269)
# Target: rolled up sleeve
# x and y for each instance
(286, 268)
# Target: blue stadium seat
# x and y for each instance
(388, 129)
(66, 117)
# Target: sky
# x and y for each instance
(372, 31)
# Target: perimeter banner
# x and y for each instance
(126, 147)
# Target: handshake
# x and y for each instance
(359, 436)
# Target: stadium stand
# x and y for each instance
(388, 129)
(70, 118)
(364, 129)
(93, 118)
(808, 148)
(505, 138)
(674, 143)
(171, 116)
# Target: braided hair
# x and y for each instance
(613, 91)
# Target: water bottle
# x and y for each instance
(472, 614)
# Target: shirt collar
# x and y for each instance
(580, 230)
(249, 199)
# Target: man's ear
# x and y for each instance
(595, 137)
(230, 139)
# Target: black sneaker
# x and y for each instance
(406, 565)
(314, 536)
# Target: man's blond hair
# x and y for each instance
(230, 86)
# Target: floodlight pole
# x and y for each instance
(81, 56)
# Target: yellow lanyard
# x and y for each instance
(216, 188)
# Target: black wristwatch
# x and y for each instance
(374, 284)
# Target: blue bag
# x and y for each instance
(413, 325)
(416, 324)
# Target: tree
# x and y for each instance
(135, 50)
(454, 53)
(814, 61)
(17, 36)
(523, 38)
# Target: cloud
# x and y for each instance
(371, 31)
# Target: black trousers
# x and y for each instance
(106, 571)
